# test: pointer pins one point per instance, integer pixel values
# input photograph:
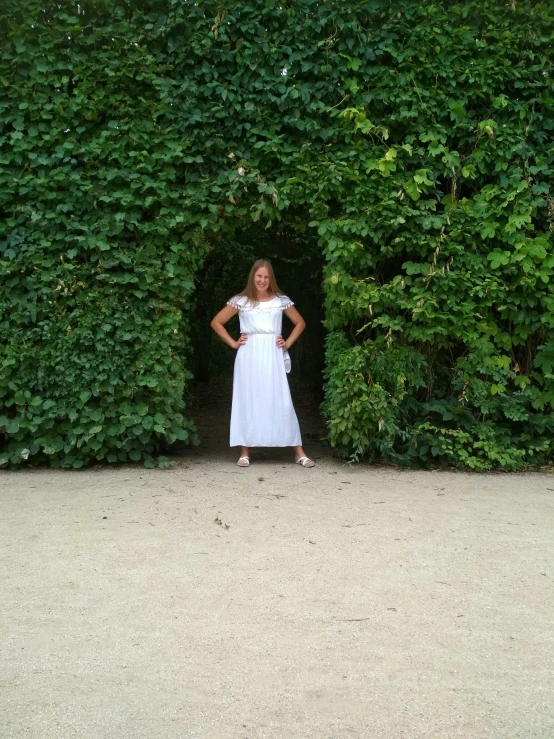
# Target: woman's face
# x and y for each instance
(261, 279)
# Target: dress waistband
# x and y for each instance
(260, 333)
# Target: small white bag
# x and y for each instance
(286, 358)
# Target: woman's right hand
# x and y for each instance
(243, 338)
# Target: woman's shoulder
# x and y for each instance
(237, 301)
(286, 302)
(241, 302)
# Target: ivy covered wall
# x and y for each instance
(414, 141)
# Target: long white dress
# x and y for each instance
(262, 413)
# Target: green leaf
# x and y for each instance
(412, 189)
(488, 230)
(498, 258)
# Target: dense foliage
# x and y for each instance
(414, 141)
(98, 251)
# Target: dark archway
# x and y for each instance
(298, 264)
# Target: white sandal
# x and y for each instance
(305, 462)
(246, 459)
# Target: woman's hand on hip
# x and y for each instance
(281, 343)
(243, 338)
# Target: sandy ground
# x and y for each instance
(212, 602)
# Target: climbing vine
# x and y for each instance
(414, 141)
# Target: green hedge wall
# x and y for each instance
(98, 256)
(416, 142)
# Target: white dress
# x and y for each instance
(262, 413)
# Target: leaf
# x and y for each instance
(488, 230)
(421, 177)
(413, 268)
(545, 358)
(412, 189)
(499, 258)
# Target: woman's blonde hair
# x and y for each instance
(250, 291)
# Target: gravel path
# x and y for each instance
(211, 602)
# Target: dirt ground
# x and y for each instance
(275, 602)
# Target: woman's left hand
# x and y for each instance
(281, 343)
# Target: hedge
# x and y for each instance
(415, 141)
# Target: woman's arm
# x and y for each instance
(299, 326)
(218, 325)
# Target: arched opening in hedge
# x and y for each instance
(298, 263)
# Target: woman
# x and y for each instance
(262, 412)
